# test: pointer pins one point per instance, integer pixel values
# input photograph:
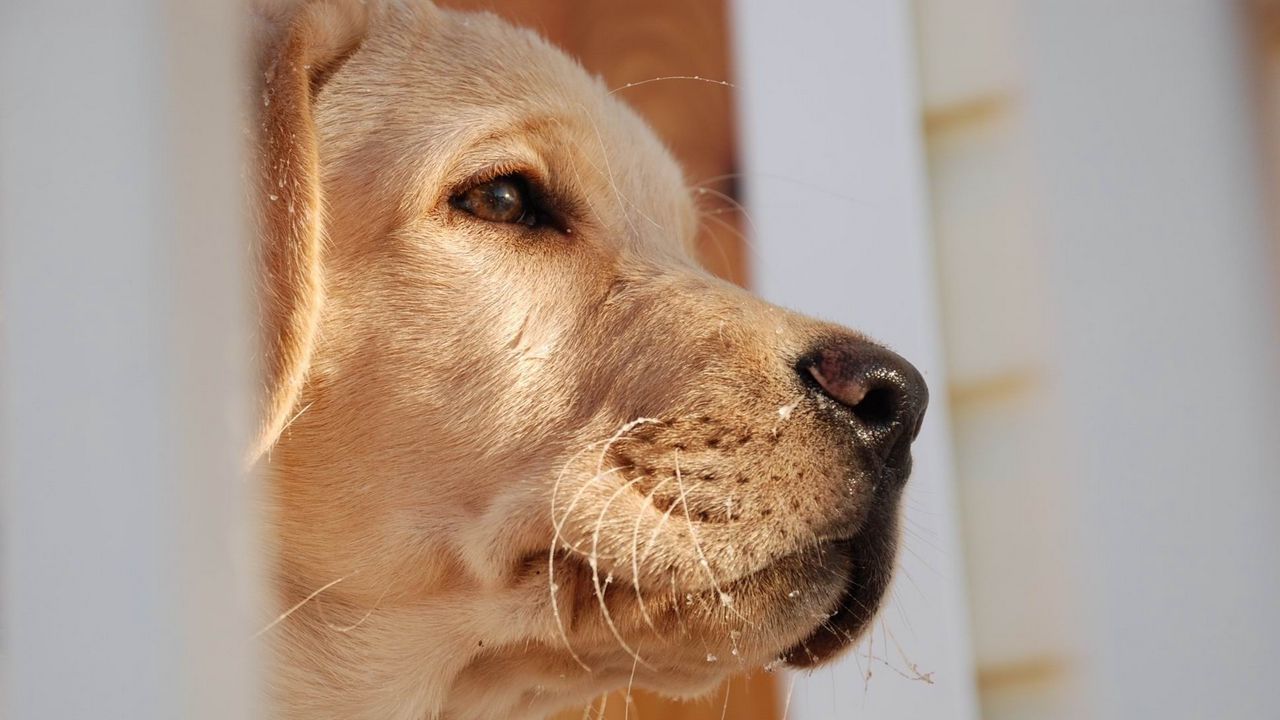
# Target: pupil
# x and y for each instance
(504, 199)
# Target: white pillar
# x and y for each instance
(1168, 356)
(124, 362)
(833, 171)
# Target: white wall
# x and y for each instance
(1110, 315)
(1012, 473)
(124, 359)
(1168, 358)
(833, 176)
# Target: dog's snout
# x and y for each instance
(884, 394)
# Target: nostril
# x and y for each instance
(844, 389)
(879, 406)
(872, 400)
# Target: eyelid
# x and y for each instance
(527, 173)
(558, 213)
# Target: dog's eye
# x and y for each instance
(507, 199)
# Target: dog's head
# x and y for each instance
(523, 441)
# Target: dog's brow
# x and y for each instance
(474, 149)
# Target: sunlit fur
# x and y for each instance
(520, 467)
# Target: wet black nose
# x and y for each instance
(881, 393)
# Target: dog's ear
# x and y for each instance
(299, 46)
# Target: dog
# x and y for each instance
(518, 448)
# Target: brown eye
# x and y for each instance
(504, 200)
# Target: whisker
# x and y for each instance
(648, 546)
(675, 604)
(915, 671)
(697, 78)
(555, 486)
(609, 172)
(635, 557)
(733, 202)
(626, 428)
(746, 240)
(726, 261)
(297, 606)
(866, 679)
(923, 562)
(815, 187)
(724, 710)
(786, 708)
(595, 574)
(361, 621)
(558, 525)
(627, 700)
(902, 613)
(296, 415)
(726, 600)
(907, 574)
(932, 545)
(552, 587)
(920, 526)
(912, 673)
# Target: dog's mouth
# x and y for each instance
(714, 524)
(870, 569)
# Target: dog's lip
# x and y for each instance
(871, 556)
(834, 633)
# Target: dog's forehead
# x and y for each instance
(454, 80)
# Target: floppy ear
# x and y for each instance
(299, 48)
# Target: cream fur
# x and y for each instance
(455, 411)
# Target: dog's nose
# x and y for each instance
(883, 394)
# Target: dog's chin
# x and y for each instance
(865, 583)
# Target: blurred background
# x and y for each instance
(1064, 211)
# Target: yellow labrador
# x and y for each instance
(519, 448)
